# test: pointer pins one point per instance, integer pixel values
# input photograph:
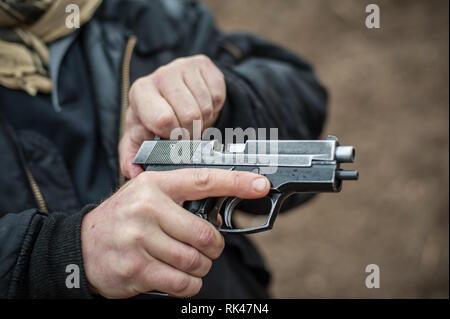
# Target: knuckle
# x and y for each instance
(141, 178)
(164, 121)
(145, 177)
(177, 65)
(178, 61)
(191, 116)
(192, 260)
(180, 284)
(157, 76)
(135, 87)
(217, 247)
(138, 239)
(202, 58)
(130, 269)
(218, 97)
(177, 257)
(206, 236)
(195, 287)
(220, 247)
(208, 111)
(203, 178)
(207, 268)
(160, 75)
(235, 183)
(137, 84)
(147, 183)
(186, 259)
(132, 237)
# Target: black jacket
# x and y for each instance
(267, 86)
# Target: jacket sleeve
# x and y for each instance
(36, 249)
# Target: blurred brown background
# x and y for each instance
(389, 98)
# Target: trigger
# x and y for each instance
(214, 211)
(229, 208)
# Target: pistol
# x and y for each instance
(291, 166)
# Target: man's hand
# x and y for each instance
(173, 96)
(141, 239)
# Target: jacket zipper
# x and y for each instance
(125, 87)
(35, 189)
(40, 201)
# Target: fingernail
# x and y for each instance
(259, 185)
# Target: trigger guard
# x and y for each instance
(276, 199)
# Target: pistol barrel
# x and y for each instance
(345, 154)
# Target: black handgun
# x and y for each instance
(292, 166)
